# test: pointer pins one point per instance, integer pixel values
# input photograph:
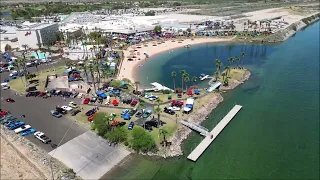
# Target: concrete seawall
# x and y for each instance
(293, 28)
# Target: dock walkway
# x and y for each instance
(196, 153)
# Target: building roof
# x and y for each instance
(38, 26)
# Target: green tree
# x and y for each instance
(115, 83)
(227, 68)
(100, 123)
(157, 110)
(157, 29)
(143, 105)
(137, 83)
(226, 82)
(163, 132)
(238, 60)
(182, 72)
(174, 74)
(7, 48)
(218, 65)
(216, 75)
(19, 63)
(230, 60)
(117, 134)
(186, 79)
(243, 54)
(194, 80)
(91, 70)
(142, 141)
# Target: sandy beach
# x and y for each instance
(129, 68)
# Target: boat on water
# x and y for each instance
(203, 77)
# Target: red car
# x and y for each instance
(115, 102)
(86, 101)
(177, 103)
(134, 103)
(90, 118)
(42, 94)
(10, 100)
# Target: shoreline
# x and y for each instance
(129, 68)
(197, 117)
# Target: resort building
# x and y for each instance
(33, 35)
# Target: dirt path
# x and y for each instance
(14, 166)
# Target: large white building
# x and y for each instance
(44, 34)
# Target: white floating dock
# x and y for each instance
(196, 153)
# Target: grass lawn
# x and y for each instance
(18, 85)
(164, 97)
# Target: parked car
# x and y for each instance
(15, 125)
(66, 108)
(86, 101)
(91, 111)
(8, 119)
(61, 111)
(74, 94)
(93, 100)
(10, 100)
(126, 117)
(22, 128)
(42, 137)
(90, 118)
(27, 132)
(121, 124)
(73, 104)
(169, 111)
(55, 114)
(152, 98)
(147, 127)
(57, 93)
(134, 103)
(147, 113)
(131, 125)
(5, 87)
(132, 112)
(75, 112)
(32, 88)
(125, 111)
(139, 113)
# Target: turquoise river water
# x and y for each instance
(275, 135)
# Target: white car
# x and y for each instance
(5, 87)
(66, 108)
(80, 95)
(13, 73)
(175, 108)
(43, 138)
(22, 128)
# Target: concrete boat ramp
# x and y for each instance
(196, 153)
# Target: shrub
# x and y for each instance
(117, 135)
(142, 141)
(100, 123)
(115, 83)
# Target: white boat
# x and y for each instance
(203, 77)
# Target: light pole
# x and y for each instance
(57, 148)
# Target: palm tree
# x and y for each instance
(238, 60)
(174, 74)
(85, 69)
(91, 69)
(243, 54)
(142, 106)
(227, 68)
(194, 80)
(218, 65)
(226, 82)
(19, 63)
(164, 133)
(186, 80)
(136, 83)
(230, 60)
(97, 68)
(157, 110)
(216, 75)
(223, 76)
(182, 72)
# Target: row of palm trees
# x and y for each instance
(185, 79)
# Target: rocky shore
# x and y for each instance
(196, 117)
